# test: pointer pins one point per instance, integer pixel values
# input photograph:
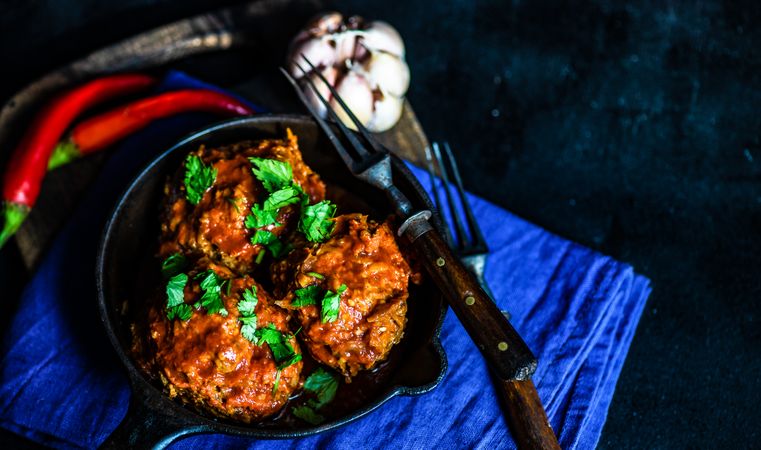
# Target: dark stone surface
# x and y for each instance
(631, 128)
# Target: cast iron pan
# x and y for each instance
(127, 271)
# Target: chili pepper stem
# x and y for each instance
(64, 153)
(13, 215)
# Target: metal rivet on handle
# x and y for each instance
(470, 300)
(502, 346)
(440, 262)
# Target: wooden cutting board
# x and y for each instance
(249, 41)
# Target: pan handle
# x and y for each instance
(149, 424)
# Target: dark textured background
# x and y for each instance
(634, 129)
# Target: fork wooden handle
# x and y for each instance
(525, 415)
(502, 347)
(509, 357)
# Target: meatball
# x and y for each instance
(207, 361)
(362, 255)
(215, 227)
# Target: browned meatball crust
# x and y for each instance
(206, 361)
(364, 256)
(215, 227)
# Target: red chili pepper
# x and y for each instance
(28, 163)
(101, 131)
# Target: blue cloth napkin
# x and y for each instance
(61, 385)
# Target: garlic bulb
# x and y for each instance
(390, 73)
(356, 93)
(363, 61)
(380, 36)
(330, 74)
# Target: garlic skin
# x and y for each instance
(358, 96)
(389, 72)
(330, 74)
(380, 36)
(388, 111)
(365, 63)
(318, 51)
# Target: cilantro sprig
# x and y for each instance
(175, 298)
(198, 178)
(307, 296)
(173, 265)
(282, 351)
(315, 221)
(211, 299)
(247, 311)
(323, 385)
(330, 302)
(277, 178)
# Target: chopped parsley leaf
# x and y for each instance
(182, 312)
(282, 350)
(308, 415)
(211, 298)
(198, 178)
(323, 384)
(247, 310)
(306, 296)
(175, 290)
(331, 304)
(261, 218)
(173, 265)
(248, 330)
(247, 306)
(175, 298)
(319, 276)
(315, 222)
(277, 382)
(283, 197)
(272, 173)
(270, 241)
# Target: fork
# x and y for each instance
(470, 245)
(505, 351)
(526, 417)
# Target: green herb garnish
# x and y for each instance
(270, 241)
(175, 298)
(272, 173)
(331, 304)
(306, 296)
(283, 197)
(315, 222)
(309, 415)
(277, 382)
(277, 177)
(173, 265)
(247, 311)
(261, 218)
(319, 276)
(282, 351)
(323, 385)
(211, 298)
(198, 178)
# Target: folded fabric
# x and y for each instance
(61, 384)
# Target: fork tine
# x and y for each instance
(361, 128)
(462, 237)
(435, 189)
(358, 147)
(324, 125)
(475, 230)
